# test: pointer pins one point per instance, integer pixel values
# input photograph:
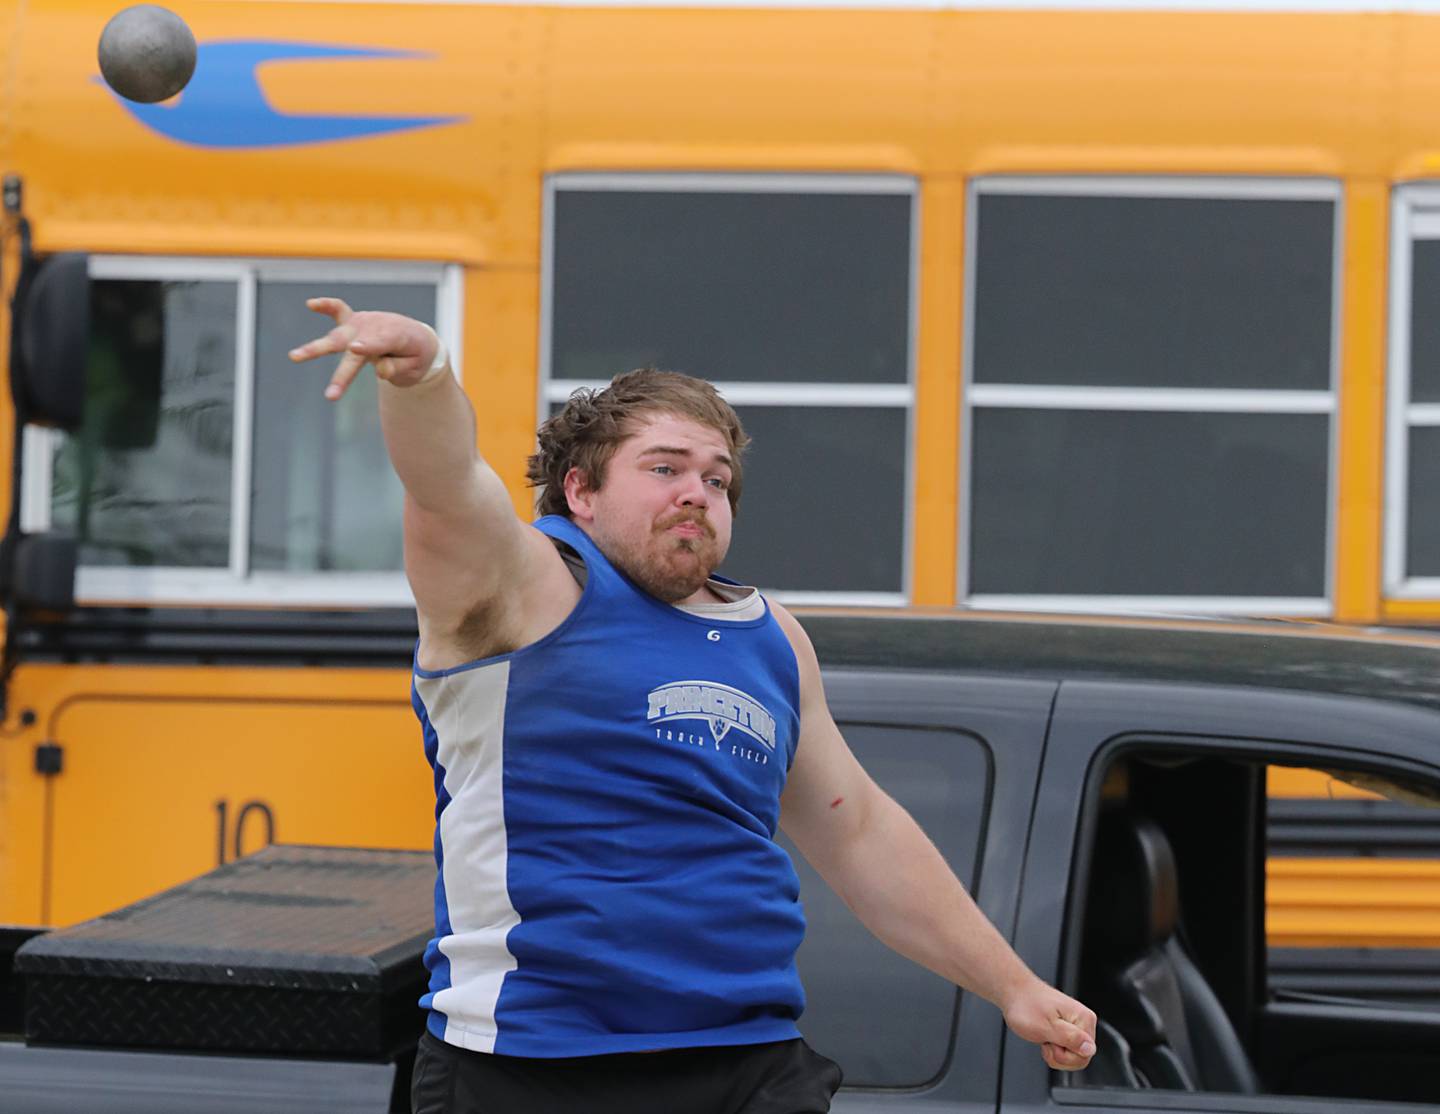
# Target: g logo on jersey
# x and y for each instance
(719, 706)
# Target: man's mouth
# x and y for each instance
(687, 527)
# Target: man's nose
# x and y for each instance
(691, 490)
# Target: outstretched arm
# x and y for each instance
(873, 854)
(484, 582)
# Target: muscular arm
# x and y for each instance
(484, 582)
(873, 854)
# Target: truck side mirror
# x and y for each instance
(51, 341)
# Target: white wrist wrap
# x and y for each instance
(439, 363)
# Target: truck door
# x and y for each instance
(961, 755)
(1145, 894)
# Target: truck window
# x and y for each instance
(851, 979)
(1331, 996)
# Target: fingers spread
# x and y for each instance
(336, 340)
(396, 345)
(383, 341)
(350, 365)
(333, 307)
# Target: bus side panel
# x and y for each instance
(169, 772)
(1368, 877)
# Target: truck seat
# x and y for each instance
(1139, 976)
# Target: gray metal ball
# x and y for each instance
(147, 53)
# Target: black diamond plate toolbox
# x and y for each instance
(312, 950)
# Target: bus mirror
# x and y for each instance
(51, 342)
(43, 577)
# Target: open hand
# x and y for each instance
(401, 348)
(1062, 1027)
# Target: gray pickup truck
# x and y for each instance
(1100, 785)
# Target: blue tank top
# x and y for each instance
(606, 806)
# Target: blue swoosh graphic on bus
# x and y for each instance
(224, 106)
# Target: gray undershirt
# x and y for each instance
(741, 603)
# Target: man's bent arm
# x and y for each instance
(873, 854)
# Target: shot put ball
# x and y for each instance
(147, 53)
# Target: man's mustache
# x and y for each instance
(699, 518)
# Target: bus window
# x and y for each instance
(191, 399)
(794, 294)
(146, 481)
(1151, 395)
(1412, 528)
(325, 496)
(1422, 501)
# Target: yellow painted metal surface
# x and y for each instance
(1327, 902)
(170, 771)
(1350, 903)
(939, 94)
(1426, 612)
(1361, 460)
(937, 393)
(1289, 781)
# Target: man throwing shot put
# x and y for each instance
(616, 735)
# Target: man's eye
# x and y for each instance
(663, 469)
(717, 482)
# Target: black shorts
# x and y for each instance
(787, 1077)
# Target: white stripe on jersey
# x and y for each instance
(467, 712)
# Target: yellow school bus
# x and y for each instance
(1061, 307)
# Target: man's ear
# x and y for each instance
(579, 495)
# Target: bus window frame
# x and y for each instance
(786, 395)
(1160, 400)
(1414, 215)
(238, 584)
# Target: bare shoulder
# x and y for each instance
(512, 611)
(792, 628)
(549, 590)
(804, 651)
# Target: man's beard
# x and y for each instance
(670, 568)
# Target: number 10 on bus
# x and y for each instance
(230, 839)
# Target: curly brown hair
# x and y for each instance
(586, 433)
